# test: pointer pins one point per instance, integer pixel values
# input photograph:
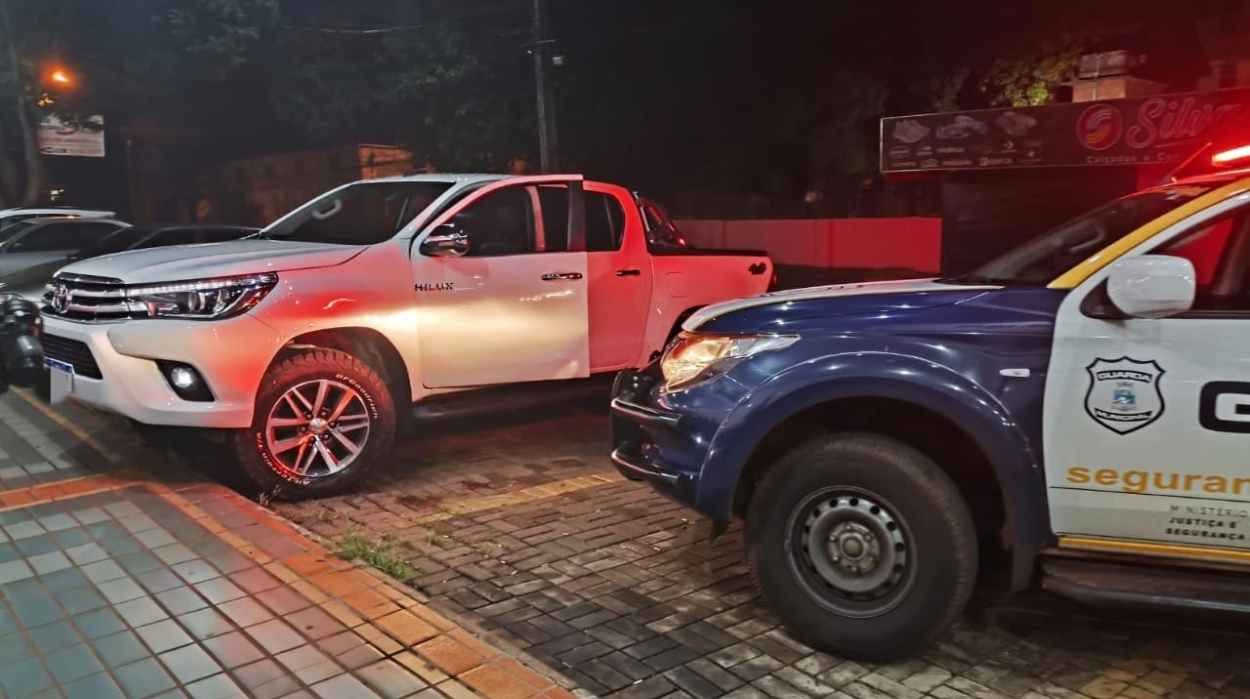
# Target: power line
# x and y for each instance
(374, 31)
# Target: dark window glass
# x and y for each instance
(555, 204)
(1220, 253)
(662, 233)
(361, 214)
(605, 222)
(172, 236)
(118, 241)
(501, 223)
(1044, 258)
(10, 230)
(60, 236)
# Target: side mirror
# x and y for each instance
(446, 241)
(1153, 286)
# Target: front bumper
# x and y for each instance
(636, 428)
(230, 355)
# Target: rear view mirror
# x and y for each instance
(1153, 286)
(446, 241)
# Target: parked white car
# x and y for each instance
(40, 241)
(311, 341)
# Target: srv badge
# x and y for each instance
(1124, 394)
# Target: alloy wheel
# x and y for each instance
(317, 428)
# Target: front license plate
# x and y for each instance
(62, 379)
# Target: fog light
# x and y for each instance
(182, 377)
(186, 381)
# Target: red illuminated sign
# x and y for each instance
(1100, 126)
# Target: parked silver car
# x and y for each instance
(40, 241)
(31, 282)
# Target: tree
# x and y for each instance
(454, 87)
(29, 171)
(1029, 78)
(131, 57)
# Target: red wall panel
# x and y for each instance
(861, 243)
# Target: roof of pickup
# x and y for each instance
(464, 177)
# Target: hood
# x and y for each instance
(30, 282)
(185, 262)
(919, 292)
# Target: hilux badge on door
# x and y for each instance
(1124, 394)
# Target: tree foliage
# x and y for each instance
(438, 90)
(1029, 78)
(223, 33)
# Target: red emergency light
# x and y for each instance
(1231, 155)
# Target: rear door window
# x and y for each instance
(554, 200)
(500, 223)
(605, 222)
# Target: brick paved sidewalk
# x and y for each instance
(149, 582)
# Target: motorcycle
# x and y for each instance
(21, 353)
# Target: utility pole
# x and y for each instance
(547, 141)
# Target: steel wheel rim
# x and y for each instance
(852, 552)
(317, 428)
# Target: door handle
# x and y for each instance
(561, 276)
(629, 273)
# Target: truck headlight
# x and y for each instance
(695, 356)
(204, 299)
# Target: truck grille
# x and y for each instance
(81, 297)
(76, 354)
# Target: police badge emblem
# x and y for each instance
(1124, 394)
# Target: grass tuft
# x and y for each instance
(355, 546)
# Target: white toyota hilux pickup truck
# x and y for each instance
(314, 342)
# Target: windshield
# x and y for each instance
(361, 214)
(661, 231)
(1051, 254)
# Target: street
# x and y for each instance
(519, 524)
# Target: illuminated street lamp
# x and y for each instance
(60, 78)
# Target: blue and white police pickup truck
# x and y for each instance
(1082, 402)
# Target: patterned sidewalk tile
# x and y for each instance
(141, 589)
(140, 579)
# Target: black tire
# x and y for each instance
(268, 472)
(820, 484)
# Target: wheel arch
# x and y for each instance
(920, 403)
(370, 346)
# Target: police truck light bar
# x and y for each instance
(1230, 156)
